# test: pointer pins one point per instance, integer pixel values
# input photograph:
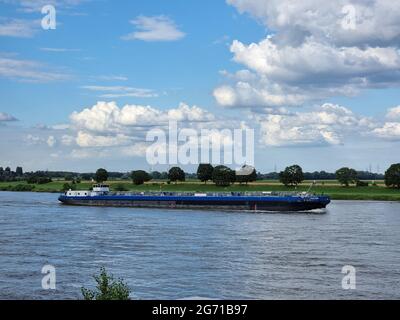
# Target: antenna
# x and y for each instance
(312, 184)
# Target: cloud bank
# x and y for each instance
(311, 53)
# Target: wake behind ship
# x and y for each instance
(262, 201)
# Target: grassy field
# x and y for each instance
(331, 188)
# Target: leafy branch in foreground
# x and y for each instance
(107, 288)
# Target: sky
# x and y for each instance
(319, 85)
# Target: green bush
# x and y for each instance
(18, 188)
(38, 180)
(23, 187)
(68, 186)
(360, 183)
(120, 187)
(32, 180)
(43, 180)
(107, 288)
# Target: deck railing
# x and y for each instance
(215, 194)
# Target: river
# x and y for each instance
(170, 254)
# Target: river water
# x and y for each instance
(169, 254)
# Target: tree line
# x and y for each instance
(224, 176)
(220, 175)
(8, 175)
(293, 175)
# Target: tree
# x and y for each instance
(392, 176)
(120, 187)
(360, 183)
(164, 175)
(139, 177)
(101, 175)
(86, 176)
(69, 177)
(107, 288)
(156, 175)
(19, 172)
(176, 174)
(292, 175)
(43, 180)
(204, 172)
(32, 179)
(67, 187)
(223, 176)
(346, 176)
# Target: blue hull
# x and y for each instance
(267, 203)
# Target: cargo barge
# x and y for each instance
(256, 201)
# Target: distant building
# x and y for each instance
(245, 171)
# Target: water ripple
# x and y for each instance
(168, 254)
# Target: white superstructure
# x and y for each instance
(101, 188)
(98, 190)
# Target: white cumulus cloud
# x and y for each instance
(372, 22)
(390, 130)
(108, 117)
(85, 139)
(394, 113)
(326, 125)
(311, 53)
(315, 61)
(107, 125)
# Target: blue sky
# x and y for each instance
(316, 94)
(186, 69)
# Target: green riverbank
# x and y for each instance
(331, 188)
